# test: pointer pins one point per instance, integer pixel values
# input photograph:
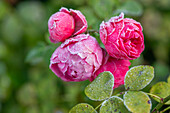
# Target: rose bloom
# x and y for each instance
(77, 58)
(122, 37)
(65, 23)
(117, 67)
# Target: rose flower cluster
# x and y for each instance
(80, 57)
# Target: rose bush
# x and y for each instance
(65, 23)
(117, 67)
(77, 58)
(122, 37)
(80, 57)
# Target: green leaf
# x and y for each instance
(137, 102)
(41, 52)
(83, 108)
(103, 8)
(168, 80)
(48, 53)
(114, 104)
(31, 11)
(101, 88)
(35, 55)
(132, 8)
(138, 77)
(161, 89)
(90, 17)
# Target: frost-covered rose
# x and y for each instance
(122, 37)
(117, 67)
(77, 58)
(65, 23)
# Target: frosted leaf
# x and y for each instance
(137, 102)
(83, 108)
(161, 89)
(113, 105)
(101, 88)
(138, 77)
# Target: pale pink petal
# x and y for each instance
(74, 60)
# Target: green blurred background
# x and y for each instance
(27, 85)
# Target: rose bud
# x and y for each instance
(117, 67)
(122, 37)
(65, 23)
(77, 58)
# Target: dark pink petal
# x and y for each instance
(80, 22)
(122, 37)
(58, 28)
(117, 67)
(79, 18)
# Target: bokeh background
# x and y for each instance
(27, 85)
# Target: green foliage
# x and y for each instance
(27, 95)
(3, 8)
(3, 50)
(39, 53)
(101, 88)
(161, 71)
(113, 104)
(83, 108)
(35, 55)
(137, 102)
(12, 24)
(103, 8)
(133, 101)
(89, 14)
(131, 7)
(163, 4)
(5, 83)
(168, 80)
(161, 89)
(138, 77)
(31, 12)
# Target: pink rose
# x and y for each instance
(77, 58)
(122, 37)
(117, 67)
(65, 23)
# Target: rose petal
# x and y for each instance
(80, 22)
(122, 37)
(75, 60)
(117, 67)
